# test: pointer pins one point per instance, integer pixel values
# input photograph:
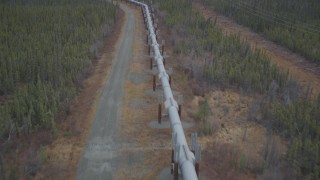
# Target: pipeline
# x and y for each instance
(183, 159)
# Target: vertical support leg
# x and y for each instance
(151, 63)
(170, 80)
(154, 83)
(157, 35)
(172, 156)
(159, 114)
(172, 169)
(147, 39)
(197, 167)
(162, 50)
(180, 110)
(175, 171)
(172, 161)
(149, 50)
(164, 62)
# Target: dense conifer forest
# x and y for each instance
(292, 23)
(289, 110)
(46, 48)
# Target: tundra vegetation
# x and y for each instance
(292, 23)
(287, 109)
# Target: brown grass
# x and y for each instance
(154, 144)
(234, 138)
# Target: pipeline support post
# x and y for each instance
(159, 113)
(155, 27)
(197, 167)
(180, 101)
(157, 34)
(184, 159)
(176, 161)
(160, 100)
(154, 83)
(172, 156)
(162, 49)
(196, 149)
(175, 171)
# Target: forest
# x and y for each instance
(292, 23)
(46, 50)
(288, 109)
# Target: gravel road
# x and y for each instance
(100, 158)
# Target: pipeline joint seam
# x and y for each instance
(171, 103)
(176, 123)
(163, 74)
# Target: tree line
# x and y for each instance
(292, 23)
(46, 48)
(287, 108)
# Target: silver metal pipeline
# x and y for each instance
(182, 153)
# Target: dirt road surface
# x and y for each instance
(100, 157)
(306, 72)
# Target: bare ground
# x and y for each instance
(64, 152)
(234, 137)
(306, 72)
(147, 145)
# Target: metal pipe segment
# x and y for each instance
(184, 156)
